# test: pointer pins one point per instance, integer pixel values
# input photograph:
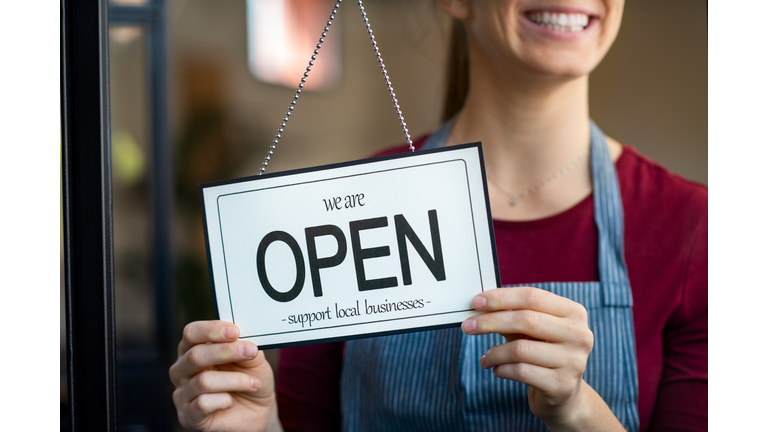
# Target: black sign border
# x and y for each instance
(204, 186)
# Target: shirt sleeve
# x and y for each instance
(682, 403)
(308, 387)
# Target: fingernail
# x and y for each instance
(479, 302)
(469, 325)
(249, 350)
(230, 332)
(255, 383)
(482, 361)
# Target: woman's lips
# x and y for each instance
(559, 21)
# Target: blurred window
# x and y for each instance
(130, 188)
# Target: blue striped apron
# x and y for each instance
(432, 380)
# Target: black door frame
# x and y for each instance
(87, 200)
(87, 204)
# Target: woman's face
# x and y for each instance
(558, 38)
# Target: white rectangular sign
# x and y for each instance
(380, 246)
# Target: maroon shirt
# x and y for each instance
(665, 238)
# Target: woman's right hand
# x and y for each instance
(222, 384)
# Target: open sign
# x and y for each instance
(380, 246)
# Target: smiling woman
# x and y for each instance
(601, 322)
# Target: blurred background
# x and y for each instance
(199, 88)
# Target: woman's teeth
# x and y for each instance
(560, 21)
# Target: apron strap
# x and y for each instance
(609, 217)
(440, 136)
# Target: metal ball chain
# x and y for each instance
(386, 77)
(309, 68)
(301, 86)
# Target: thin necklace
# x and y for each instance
(514, 199)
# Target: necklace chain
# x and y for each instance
(514, 199)
(309, 68)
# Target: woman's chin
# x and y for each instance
(570, 50)
(567, 66)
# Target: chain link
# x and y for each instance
(309, 68)
(386, 77)
(301, 86)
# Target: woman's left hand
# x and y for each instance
(548, 343)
